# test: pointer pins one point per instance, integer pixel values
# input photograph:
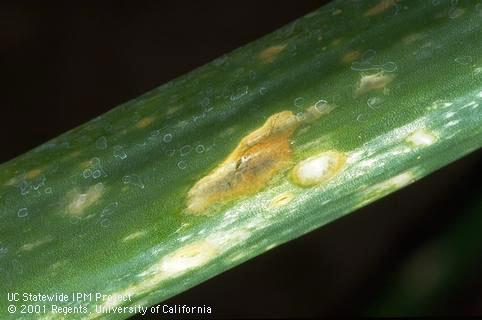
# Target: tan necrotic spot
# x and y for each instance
(33, 173)
(144, 122)
(35, 244)
(351, 56)
(257, 158)
(79, 202)
(336, 42)
(281, 199)
(269, 54)
(421, 138)
(379, 8)
(318, 169)
(188, 257)
(411, 38)
(134, 236)
(372, 82)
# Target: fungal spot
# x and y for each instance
(269, 54)
(373, 82)
(35, 244)
(187, 258)
(351, 56)
(411, 38)
(315, 112)
(421, 138)
(33, 173)
(452, 123)
(134, 235)
(318, 169)
(398, 181)
(336, 42)
(379, 8)
(259, 156)
(281, 199)
(79, 202)
(454, 13)
(144, 122)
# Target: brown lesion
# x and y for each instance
(32, 174)
(144, 122)
(351, 56)
(270, 53)
(379, 8)
(257, 158)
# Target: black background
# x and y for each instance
(63, 64)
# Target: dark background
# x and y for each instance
(63, 64)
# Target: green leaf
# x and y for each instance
(333, 111)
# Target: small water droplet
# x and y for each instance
(464, 60)
(182, 164)
(389, 66)
(87, 173)
(101, 143)
(133, 179)
(39, 182)
(239, 93)
(3, 251)
(119, 152)
(424, 52)
(262, 91)
(320, 105)
(300, 116)
(167, 138)
(96, 174)
(374, 102)
(455, 12)
(200, 148)
(360, 118)
(299, 101)
(109, 209)
(185, 150)
(205, 102)
(368, 55)
(22, 213)
(105, 223)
